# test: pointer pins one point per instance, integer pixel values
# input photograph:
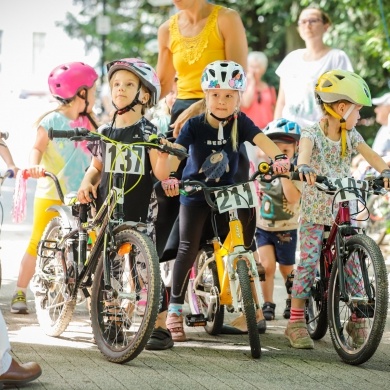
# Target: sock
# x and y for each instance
(297, 314)
(175, 308)
(20, 289)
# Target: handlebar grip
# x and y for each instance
(4, 135)
(26, 174)
(77, 132)
(9, 173)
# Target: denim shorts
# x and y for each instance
(284, 242)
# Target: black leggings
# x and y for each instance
(195, 228)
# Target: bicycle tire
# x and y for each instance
(316, 310)
(122, 321)
(209, 283)
(356, 347)
(54, 299)
(376, 224)
(249, 308)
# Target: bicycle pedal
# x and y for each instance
(195, 320)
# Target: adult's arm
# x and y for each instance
(280, 102)
(165, 69)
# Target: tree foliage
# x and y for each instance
(361, 28)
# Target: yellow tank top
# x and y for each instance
(192, 54)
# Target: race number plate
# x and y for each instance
(122, 158)
(351, 189)
(237, 197)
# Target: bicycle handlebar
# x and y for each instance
(82, 134)
(323, 183)
(26, 175)
(265, 170)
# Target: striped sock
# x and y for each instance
(175, 308)
(297, 314)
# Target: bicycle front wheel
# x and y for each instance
(356, 326)
(249, 308)
(55, 300)
(316, 310)
(123, 314)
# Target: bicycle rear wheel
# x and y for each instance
(356, 327)
(55, 300)
(123, 318)
(207, 304)
(249, 308)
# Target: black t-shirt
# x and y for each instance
(134, 163)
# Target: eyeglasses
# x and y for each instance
(302, 22)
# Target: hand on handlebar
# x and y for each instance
(281, 164)
(385, 174)
(35, 171)
(307, 172)
(170, 186)
(86, 193)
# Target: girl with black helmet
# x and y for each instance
(134, 87)
(326, 148)
(73, 86)
(213, 140)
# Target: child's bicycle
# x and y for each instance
(78, 252)
(350, 292)
(225, 274)
(7, 174)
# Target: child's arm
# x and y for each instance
(40, 145)
(90, 181)
(303, 162)
(290, 191)
(7, 157)
(163, 163)
(372, 157)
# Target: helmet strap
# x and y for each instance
(343, 125)
(222, 122)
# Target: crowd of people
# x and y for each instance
(211, 98)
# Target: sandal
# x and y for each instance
(269, 311)
(176, 327)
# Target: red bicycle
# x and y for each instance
(350, 292)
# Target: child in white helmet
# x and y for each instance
(213, 141)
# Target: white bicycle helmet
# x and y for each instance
(283, 129)
(224, 75)
(141, 69)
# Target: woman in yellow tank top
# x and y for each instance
(200, 33)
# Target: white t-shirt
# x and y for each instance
(381, 143)
(299, 78)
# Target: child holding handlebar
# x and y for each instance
(134, 87)
(326, 148)
(213, 141)
(73, 86)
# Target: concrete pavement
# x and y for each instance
(72, 361)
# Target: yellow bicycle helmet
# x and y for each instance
(338, 84)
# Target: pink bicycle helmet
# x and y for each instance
(141, 69)
(224, 75)
(66, 80)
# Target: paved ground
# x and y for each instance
(72, 361)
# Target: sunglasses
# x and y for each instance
(258, 97)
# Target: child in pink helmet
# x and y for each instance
(73, 86)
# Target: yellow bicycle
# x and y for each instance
(225, 274)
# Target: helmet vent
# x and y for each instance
(223, 76)
(327, 83)
(340, 77)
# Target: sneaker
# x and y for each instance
(176, 327)
(160, 339)
(19, 303)
(297, 334)
(358, 330)
(286, 313)
(269, 311)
